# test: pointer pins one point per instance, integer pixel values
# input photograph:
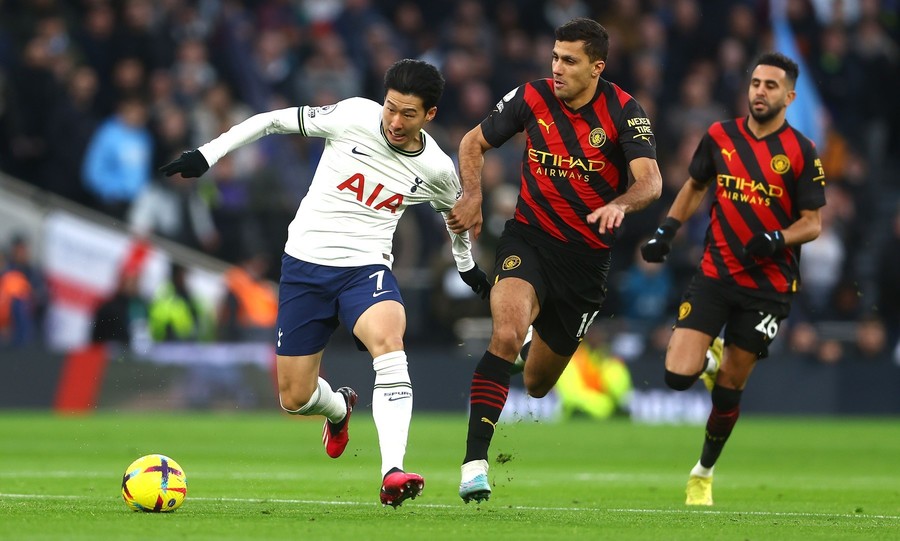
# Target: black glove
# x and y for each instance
(191, 164)
(764, 244)
(658, 247)
(477, 280)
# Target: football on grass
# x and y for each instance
(154, 483)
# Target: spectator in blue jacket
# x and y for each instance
(118, 165)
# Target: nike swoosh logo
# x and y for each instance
(358, 152)
(396, 398)
(380, 293)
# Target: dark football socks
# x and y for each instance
(490, 387)
(725, 412)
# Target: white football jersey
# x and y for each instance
(361, 187)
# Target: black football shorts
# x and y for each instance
(570, 288)
(750, 322)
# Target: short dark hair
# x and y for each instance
(592, 33)
(417, 78)
(791, 69)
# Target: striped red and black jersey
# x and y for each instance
(760, 185)
(575, 161)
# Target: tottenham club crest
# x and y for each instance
(597, 137)
(323, 110)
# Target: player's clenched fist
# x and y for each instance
(477, 280)
(764, 244)
(191, 164)
(658, 247)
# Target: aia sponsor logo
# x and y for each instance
(375, 196)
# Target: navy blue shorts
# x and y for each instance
(314, 299)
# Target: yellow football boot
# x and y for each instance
(699, 490)
(715, 353)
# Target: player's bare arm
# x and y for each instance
(767, 243)
(647, 187)
(805, 229)
(688, 199)
(466, 213)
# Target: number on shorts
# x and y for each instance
(379, 279)
(586, 322)
(768, 326)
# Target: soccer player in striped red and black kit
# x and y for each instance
(583, 136)
(769, 186)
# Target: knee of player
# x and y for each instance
(386, 343)
(680, 382)
(537, 389)
(506, 341)
(292, 400)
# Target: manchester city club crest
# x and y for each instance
(597, 137)
(511, 262)
(780, 164)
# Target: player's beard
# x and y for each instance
(767, 115)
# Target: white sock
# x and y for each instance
(471, 470)
(392, 402)
(711, 364)
(323, 401)
(700, 471)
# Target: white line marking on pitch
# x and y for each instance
(63, 474)
(513, 507)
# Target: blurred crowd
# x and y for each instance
(95, 95)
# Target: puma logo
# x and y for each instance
(728, 154)
(488, 421)
(545, 125)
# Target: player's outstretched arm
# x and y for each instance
(194, 163)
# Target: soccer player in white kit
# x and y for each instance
(337, 260)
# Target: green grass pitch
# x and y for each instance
(266, 476)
